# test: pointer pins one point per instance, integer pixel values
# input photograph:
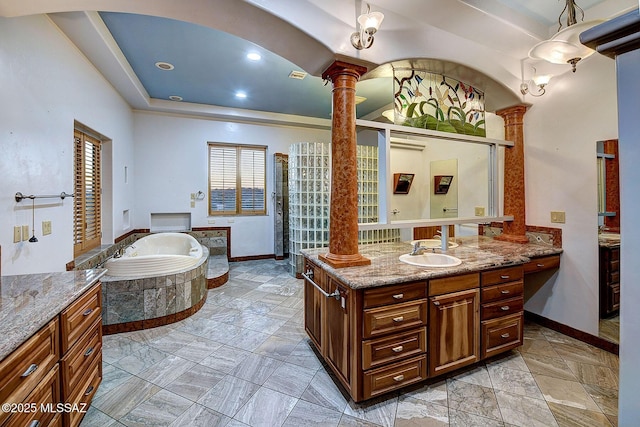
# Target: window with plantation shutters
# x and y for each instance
(87, 227)
(237, 179)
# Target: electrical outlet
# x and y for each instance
(46, 228)
(193, 196)
(230, 221)
(557, 217)
(479, 210)
(211, 221)
(17, 234)
(193, 204)
(25, 232)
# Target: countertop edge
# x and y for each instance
(21, 326)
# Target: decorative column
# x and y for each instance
(343, 213)
(514, 200)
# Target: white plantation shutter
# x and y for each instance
(87, 227)
(237, 179)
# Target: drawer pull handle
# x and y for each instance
(397, 349)
(398, 296)
(505, 335)
(539, 265)
(34, 423)
(30, 370)
(504, 292)
(436, 303)
(398, 378)
(89, 390)
(87, 312)
(504, 308)
(398, 319)
(88, 352)
(505, 276)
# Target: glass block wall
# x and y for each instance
(309, 198)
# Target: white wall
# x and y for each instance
(172, 160)
(561, 130)
(46, 84)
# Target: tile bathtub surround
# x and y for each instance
(244, 359)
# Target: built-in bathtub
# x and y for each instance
(156, 254)
(159, 279)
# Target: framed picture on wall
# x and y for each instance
(402, 182)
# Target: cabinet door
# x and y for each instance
(454, 328)
(314, 304)
(337, 344)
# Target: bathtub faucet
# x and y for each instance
(118, 253)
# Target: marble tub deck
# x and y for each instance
(244, 359)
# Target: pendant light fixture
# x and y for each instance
(368, 25)
(565, 47)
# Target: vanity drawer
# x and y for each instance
(46, 394)
(397, 317)
(394, 294)
(23, 369)
(502, 275)
(501, 308)
(84, 394)
(383, 380)
(543, 263)
(79, 316)
(499, 335)
(389, 349)
(447, 285)
(79, 359)
(503, 291)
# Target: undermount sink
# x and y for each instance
(431, 260)
(432, 243)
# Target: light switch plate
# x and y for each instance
(17, 234)
(25, 232)
(479, 210)
(558, 217)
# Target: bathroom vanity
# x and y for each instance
(50, 347)
(388, 325)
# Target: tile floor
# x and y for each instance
(244, 359)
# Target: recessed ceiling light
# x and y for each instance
(175, 98)
(240, 94)
(254, 56)
(165, 66)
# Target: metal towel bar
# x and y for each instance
(335, 294)
(20, 197)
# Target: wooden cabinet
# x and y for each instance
(338, 334)
(502, 309)
(81, 363)
(28, 367)
(314, 302)
(42, 375)
(609, 282)
(453, 331)
(380, 339)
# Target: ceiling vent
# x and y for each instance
(298, 75)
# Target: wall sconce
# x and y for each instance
(565, 47)
(539, 80)
(368, 24)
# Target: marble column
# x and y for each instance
(514, 200)
(343, 215)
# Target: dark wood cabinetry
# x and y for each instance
(609, 280)
(381, 339)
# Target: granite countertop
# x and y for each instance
(476, 252)
(30, 301)
(609, 240)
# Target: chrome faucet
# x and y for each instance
(417, 249)
(118, 253)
